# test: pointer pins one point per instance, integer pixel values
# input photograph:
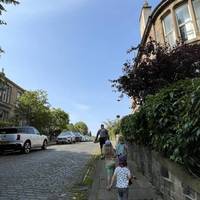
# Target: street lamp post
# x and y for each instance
(117, 135)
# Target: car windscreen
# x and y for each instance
(9, 130)
(13, 130)
(64, 134)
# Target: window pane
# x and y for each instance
(198, 23)
(22, 130)
(187, 31)
(171, 38)
(36, 131)
(8, 130)
(168, 26)
(182, 14)
(196, 5)
(169, 30)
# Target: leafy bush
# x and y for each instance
(134, 127)
(169, 122)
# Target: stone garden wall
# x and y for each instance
(170, 179)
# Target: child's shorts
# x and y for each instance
(110, 167)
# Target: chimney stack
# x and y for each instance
(144, 16)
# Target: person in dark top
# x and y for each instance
(103, 136)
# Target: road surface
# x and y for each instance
(45, 175)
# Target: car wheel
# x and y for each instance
(27, 147)
(44, 146)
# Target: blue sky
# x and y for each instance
(71, 48)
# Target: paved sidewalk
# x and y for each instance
(141, 189)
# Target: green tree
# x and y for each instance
(81, 127)
(33, 109)
(113, 127)
(60, 119)
(70, 127)
(159, 67)
(2, 8)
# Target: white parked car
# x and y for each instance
(88, 138)
(21, 138)
(66, 137)
(83, 138)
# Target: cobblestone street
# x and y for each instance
(43, 174)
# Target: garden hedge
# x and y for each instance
(169, 122)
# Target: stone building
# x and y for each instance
(171, 21)
(9, 92)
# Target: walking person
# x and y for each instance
(103, 136)
(109, 155)
(121, 147)
(123, 176)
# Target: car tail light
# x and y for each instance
(18, 137)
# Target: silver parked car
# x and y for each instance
(21, 138)
(65, 137)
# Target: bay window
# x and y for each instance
(184, 22)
